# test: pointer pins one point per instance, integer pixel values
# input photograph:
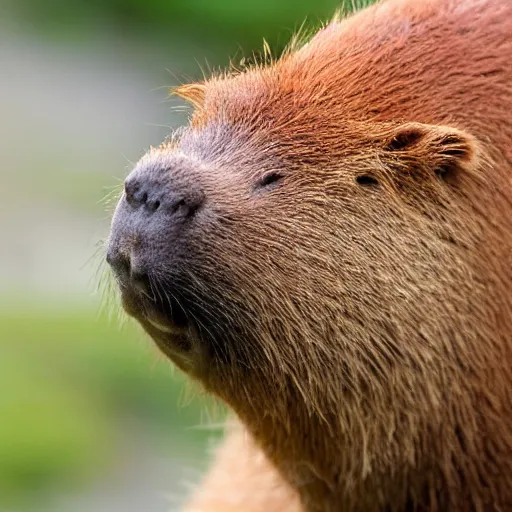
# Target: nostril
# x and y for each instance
(194, 203)
(131, 187)
(186, 206)
(176, 205)
(135, 193)
(192, 209)
(153, 206)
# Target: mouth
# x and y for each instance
(163, 318)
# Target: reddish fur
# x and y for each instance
(443, 63)
(381, 379)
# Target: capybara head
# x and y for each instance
(287, 245)
(305, 256)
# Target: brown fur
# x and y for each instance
(359, 313)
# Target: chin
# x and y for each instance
(169, 327)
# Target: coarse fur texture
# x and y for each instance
(345, 268)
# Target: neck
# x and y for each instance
(382, 451)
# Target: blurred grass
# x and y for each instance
(228, 25)
(70, 381)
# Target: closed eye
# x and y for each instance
(365, 180)
(269, 179)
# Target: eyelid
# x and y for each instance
(269, 178)
(367, 180)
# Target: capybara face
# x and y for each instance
(250, 258)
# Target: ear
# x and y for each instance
(193, 93)
(440, 151)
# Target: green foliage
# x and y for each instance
(70, 382)
(234, 23)
(48, 431)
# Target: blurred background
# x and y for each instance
(92, 418)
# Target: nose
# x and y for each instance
(132, 273)
(158, 205)
(153, 195)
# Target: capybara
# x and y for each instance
(327, 248)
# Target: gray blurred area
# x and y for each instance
(74, 120)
